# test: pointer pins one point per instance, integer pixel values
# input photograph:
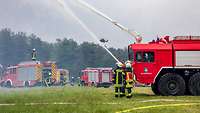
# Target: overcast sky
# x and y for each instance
(47, 19)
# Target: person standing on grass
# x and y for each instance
(118, 80)
(129, 79)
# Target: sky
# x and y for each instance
(151, 18)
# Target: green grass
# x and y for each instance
(90, 100)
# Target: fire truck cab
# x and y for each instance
(172, 67)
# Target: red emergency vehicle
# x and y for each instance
(99, 77)
(172, 67)
(24, 74)
(33, 73)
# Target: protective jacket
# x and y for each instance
(129, 78)
(118, 77)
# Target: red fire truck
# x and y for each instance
(24, 74)
(171, 67)
(99, 77)
(33, 73)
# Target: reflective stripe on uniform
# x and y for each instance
(117, 85)
(129, 85)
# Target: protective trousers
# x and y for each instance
(118, 81)
(129, 84)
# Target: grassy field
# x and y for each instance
(92, 100)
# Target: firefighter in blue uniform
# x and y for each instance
(119, 80)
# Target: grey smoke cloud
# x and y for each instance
(149, 17)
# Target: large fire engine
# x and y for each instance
(99, 77)
(171, 67)
(34, 73)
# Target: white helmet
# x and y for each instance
(34, 49)
(119, 64)
(128, 64)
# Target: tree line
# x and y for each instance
(17, 47)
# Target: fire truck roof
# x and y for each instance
(154, 46)
(96, 69)
(28, 63)
(11, 67)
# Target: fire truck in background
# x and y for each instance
(99, 77)
(24, 74)
(34, 73)
(172, 67)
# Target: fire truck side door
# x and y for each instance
(145, 65)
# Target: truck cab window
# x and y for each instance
(139, 57)
(148, 57)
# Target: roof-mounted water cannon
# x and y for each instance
(103, 40)
(161, 40)
(136, 35)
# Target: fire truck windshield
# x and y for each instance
(144, 56)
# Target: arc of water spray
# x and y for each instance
(68, 9)
(136, 35)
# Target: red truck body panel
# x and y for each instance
(179, 52)
(96, 75)
(17, 75)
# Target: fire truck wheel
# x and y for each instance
(3, 84)
(8, 84)
(154, 88)
(26, 84)
(194, 84)
(171, 84)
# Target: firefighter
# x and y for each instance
(34, 54)
(118, 80)
(129, 79)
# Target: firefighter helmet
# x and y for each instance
(119, 64)
(34, 49)
(128, 64)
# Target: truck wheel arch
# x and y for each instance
(162, 72)
(9, 81)
(25, 83)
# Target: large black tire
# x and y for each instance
(3, 84)
(171, 84)
(187, 90)
(26, 84)
(154, 88)
(194, 84)
(8, 84)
